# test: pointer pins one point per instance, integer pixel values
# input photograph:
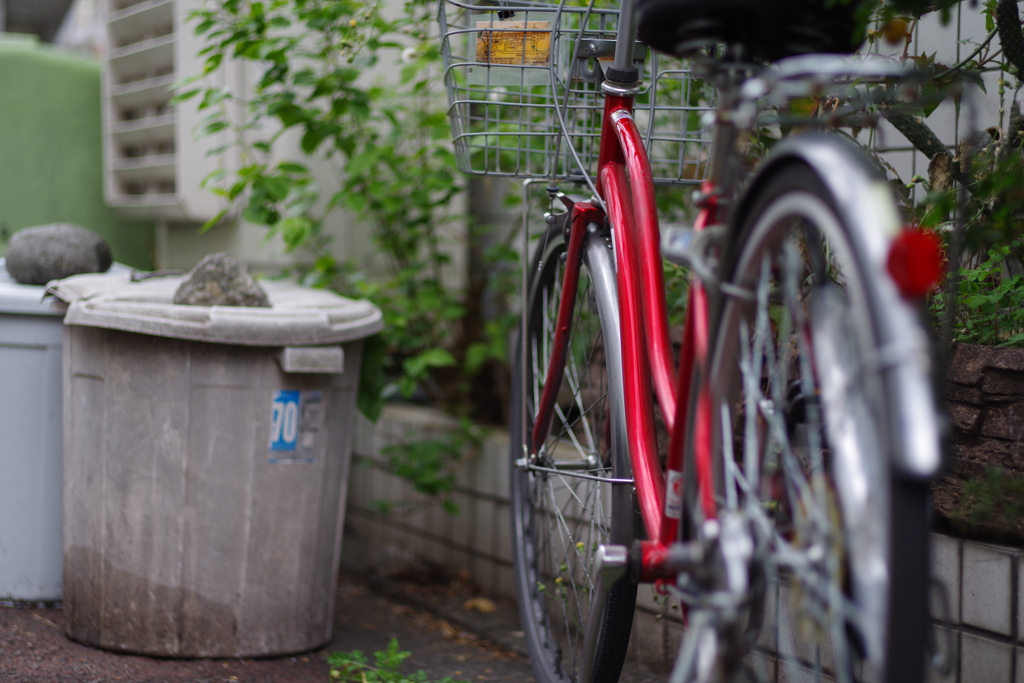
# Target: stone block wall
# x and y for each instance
(985, 405)
(985, 401)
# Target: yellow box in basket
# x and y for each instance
(514, 42)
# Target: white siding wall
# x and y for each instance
(950, 44)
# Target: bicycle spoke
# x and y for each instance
(569, 482)
(565, 537)
(575, 543)
(774, 433)
(572, 376)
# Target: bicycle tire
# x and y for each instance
(815, 455)
(553, 565)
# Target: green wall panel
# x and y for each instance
(51, 159)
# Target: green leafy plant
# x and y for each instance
(386, 143)
(428, 464)
(677, 293)
(386, 667)
(987, 165)
(991, 503)
(991, 300)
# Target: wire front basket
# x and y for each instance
(524, 83)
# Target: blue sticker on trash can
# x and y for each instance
(296, 420)
(284, 420)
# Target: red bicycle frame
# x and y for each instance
(627, 188)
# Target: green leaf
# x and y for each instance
(304, 78)
(450, 507)
(256, 212)
(476, 355)
(211, 128)
(219, 149)
(372, 378)
(213, 62)
(290, 115)
(182, 82)
(290, 167)
(237, 189)
(316, 133)
(418, 365)
(407, 387)
(213, 177)
(362, 161)
(277, 187)
(409, 71)
(295, 230)
(355, 201)
(184, 96)
(213, 96)
(974, 77)
(213, 221)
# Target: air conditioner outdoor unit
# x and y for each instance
(153, 165)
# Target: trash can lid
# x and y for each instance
(298, 315)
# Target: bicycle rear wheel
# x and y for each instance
(563, 502)
(798, 411)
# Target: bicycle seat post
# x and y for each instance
(623, 71)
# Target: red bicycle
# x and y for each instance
(774, 479)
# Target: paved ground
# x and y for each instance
(429, 590)
(434, 615)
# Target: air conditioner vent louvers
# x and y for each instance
(147, 139)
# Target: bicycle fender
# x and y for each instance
(864, 201)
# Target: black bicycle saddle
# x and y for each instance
(766, 29)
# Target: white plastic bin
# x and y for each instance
(205, 461)
(31, 547)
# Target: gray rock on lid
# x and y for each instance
(55, 251)
(220, 280)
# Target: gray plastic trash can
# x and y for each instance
(31, 547)
(205, 462)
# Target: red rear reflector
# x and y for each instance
(916, 262)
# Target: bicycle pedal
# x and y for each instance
(611, 560)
